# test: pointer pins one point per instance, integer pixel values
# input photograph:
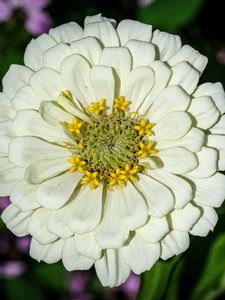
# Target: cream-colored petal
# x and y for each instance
(140, 255)
(25, 98)
(190, 55)
(219, 127)
(16, 77)
(98, 18)
(139, 82)
(217, 142)
(174, 243)
(66, 33)
(38, 229)
(53, 57)
(143, 53)
(119, 58)
(88, 47)
(110, 233)
(111, 269)
(185, 76)
(87, 245)
(48, 91)
(86, 210)
(16, 220)
(50, 253)
(180, 187)
(55, 192)
(167, 44)
(171, 99)
(72, 260)
(103, 31)
(33, 56)
(154, 230)
(7, 111)
(204, 111)
(23, 151)
(133, 30)
(159, 199)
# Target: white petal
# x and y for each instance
(97, 18)
(37, 227)
(103, 31)
(53, 114)
(55, 192)
(66, 33)
(185, 76)
(210, 191)
(23, 151)
(219, 127)
(24, 196)
(218, 142)
(33, 56)
(45, 169)
(192, 141)
(171, 99)
(177, 160)
(72, 260)
(103, 84)
(140, 255)
(181, 189)
(206, 223)
(86, 210)
(174, 243)
(25, 98)
(7, 111)
(133, 209)
(138, 84)
(88, 47)
(16, 77)
(207, 166)
(143, 53)
(48, 91)
(4, 145)
(54, 56)
(110, 233)
(50, 253)
(214, 90)
(75, 73)
(172, 127)
(167, 44)
(119, 58)
(184, 219)
(190, 55)
(111, 269)
(30, 123)
(154, 230)
(15, 220)
(57, 222)
(158, 197)
(205, 112)
(87, 246)
(133, 30)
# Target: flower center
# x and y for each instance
(107, 148)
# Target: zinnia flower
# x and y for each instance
(110, 151)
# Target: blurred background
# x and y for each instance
(199, 274)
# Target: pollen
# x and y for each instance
(144, 127)
(91, 179)
(75, 126)
(120, 103)
(97, 107)
(129, 172)
(77, 164)
(146, 149)
(117, 178)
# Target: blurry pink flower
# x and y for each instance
(36, 20)
(77, 282)
(131, 286)
(12, 269)
(23, 244)
(221, 56)
(4, 201)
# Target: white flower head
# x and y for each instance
(110, 150)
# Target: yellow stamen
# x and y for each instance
(75, 126)
(80, 145)
(146, 149)
(117, 178)
(144, 127)
(77, 164)
(97, 107)
(91, 179)
(130, 172)
(120, 103)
